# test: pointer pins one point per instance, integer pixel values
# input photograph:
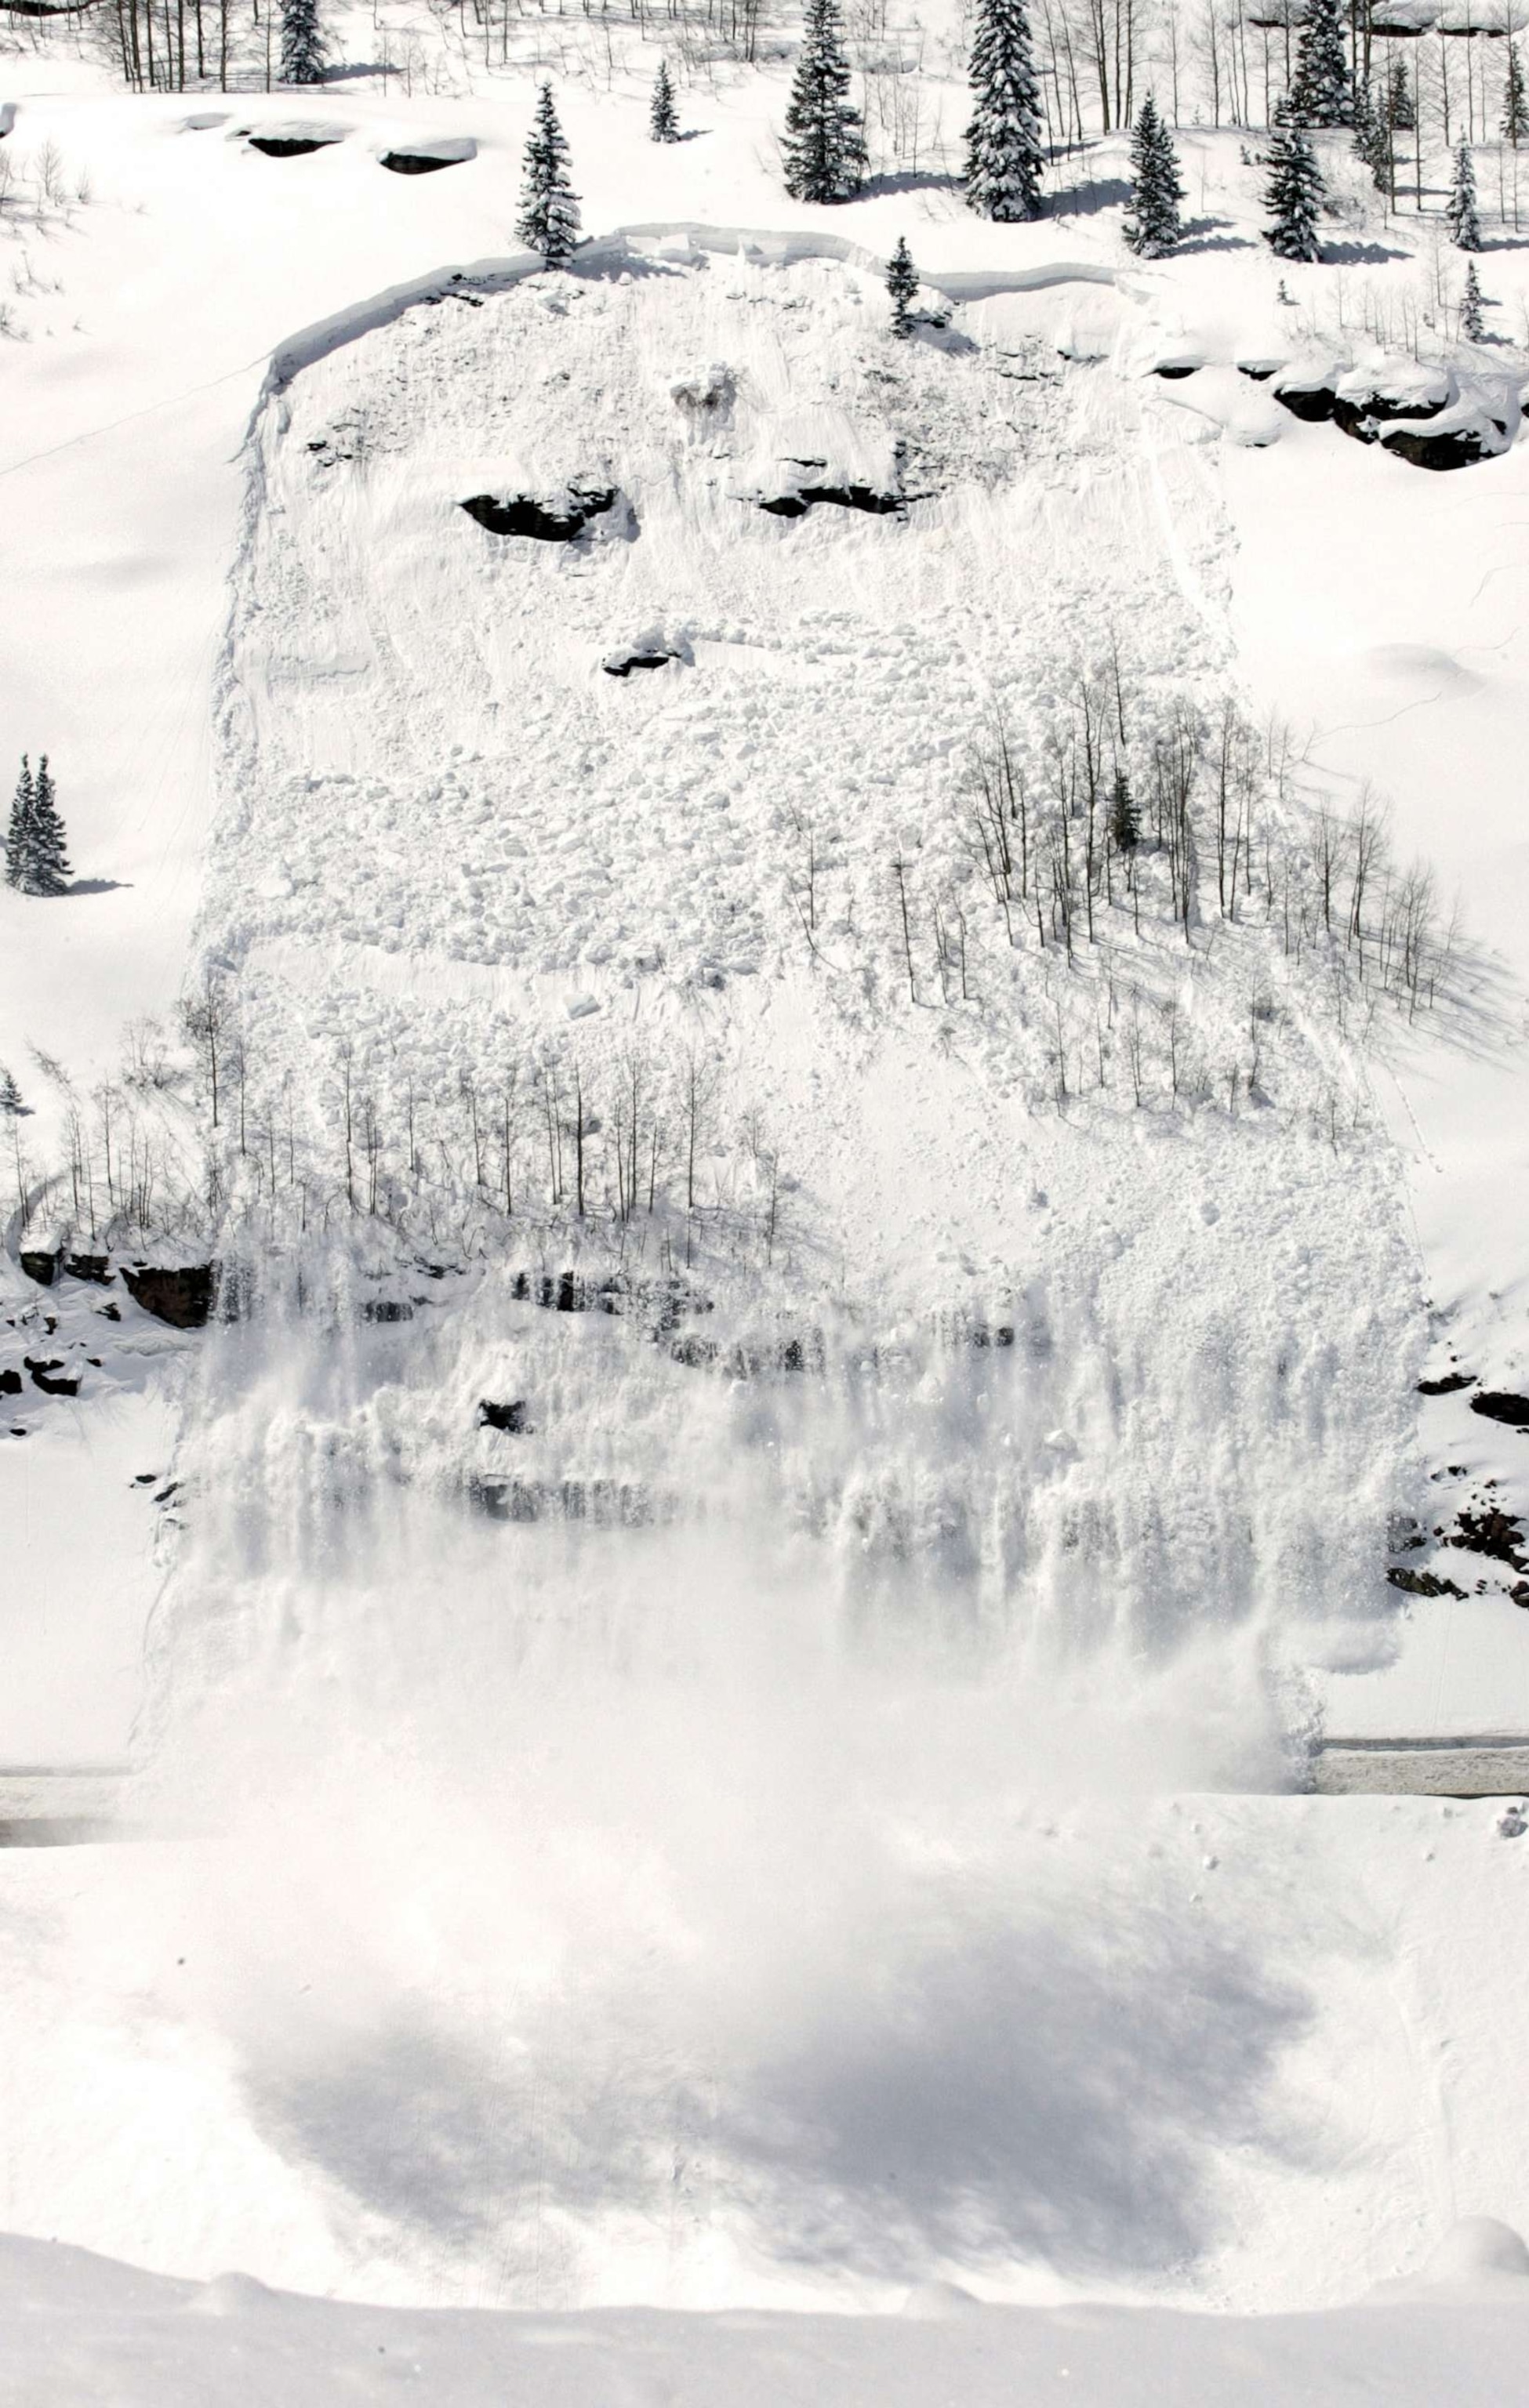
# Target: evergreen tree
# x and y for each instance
(902, 284)
(1293, 196)
(302, 42)
(1004, 150)
(1152, 221)
(1401, 113)
(1322, 93)
(1372, 141)
(1464, 225)
(663, 118)
(1472, 325)
(48, 867)
(10, 1094)
(18, 834)
(1125, 819)
(825, 141)
(1515, 100)
(549, 207)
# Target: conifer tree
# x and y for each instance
(1321, 92)
(19, 833)
(902, 284)
(48, 866)
(663, 118)
(303, 44)
(1152, 226)
(1401, 112)
(1472, 325)
(10, 1094)
(1004, 150)
(1293, 196)
(1125, 819)
(549, 207)
(825, 141)
(1372, 141)
(1464, 224)
(1515, 100)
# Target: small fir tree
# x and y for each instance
(303, 46)
(1293, 197)
(902, 284)
(19, 833)
(1515, 100)
(1400, 109)
(1372, 141)
(1005, 153)
(1465, 223)
(48, 866)
(10, 1094)
(1125, 819)
(549, 207)
(1472, 325)
(1321, 92)
(663, 117)
(825, 141)
(1153, 228)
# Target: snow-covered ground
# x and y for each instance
(758, 1828)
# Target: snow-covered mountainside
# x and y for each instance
(761, 1239)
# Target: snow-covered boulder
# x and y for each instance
(1308, 385)
(1387, 387)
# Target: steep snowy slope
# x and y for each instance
(639, 1751)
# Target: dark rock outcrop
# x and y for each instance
(416, 163)
(1311, 403)
(1402, 1576)
(846, 497)
(1502, 1405)
(181, 1298)
(1459, 450)
(291, 145)
(510, 1418)
(96, 1268)
(51, 1377)
(544, 521)
(10, 1382)
(622, 665)
(1448, 1386)
(41, 1265)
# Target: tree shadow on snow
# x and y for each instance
(970, 2088)
(909, 180)
(1358, 254)
(1206, 234)
(1087, 200)
(95, 885)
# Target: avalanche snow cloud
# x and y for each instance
(845, 1365)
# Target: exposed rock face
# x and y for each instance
(1402, 1576)
(550, 522)
(1450, 1385)
(291, 145)
(181, 1298)
(41, 1265)
(50, 1377)
(622, 665)
(847, 498)
(509, 1418)
(96, 1268)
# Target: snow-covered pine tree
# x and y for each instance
(1152, 226)
(10, 1094)
(1125, 819)
(1472, 325)
(902, 284)
(1372, 140)
(1400, 109)
(1005, 153)
(549, 207)
(825, 141)
(303, 44)
(48, 866)
(1515, 100)
(663, 117)
(1322, 90)
(19, 833)
(1293, 196)
(1465, 223)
